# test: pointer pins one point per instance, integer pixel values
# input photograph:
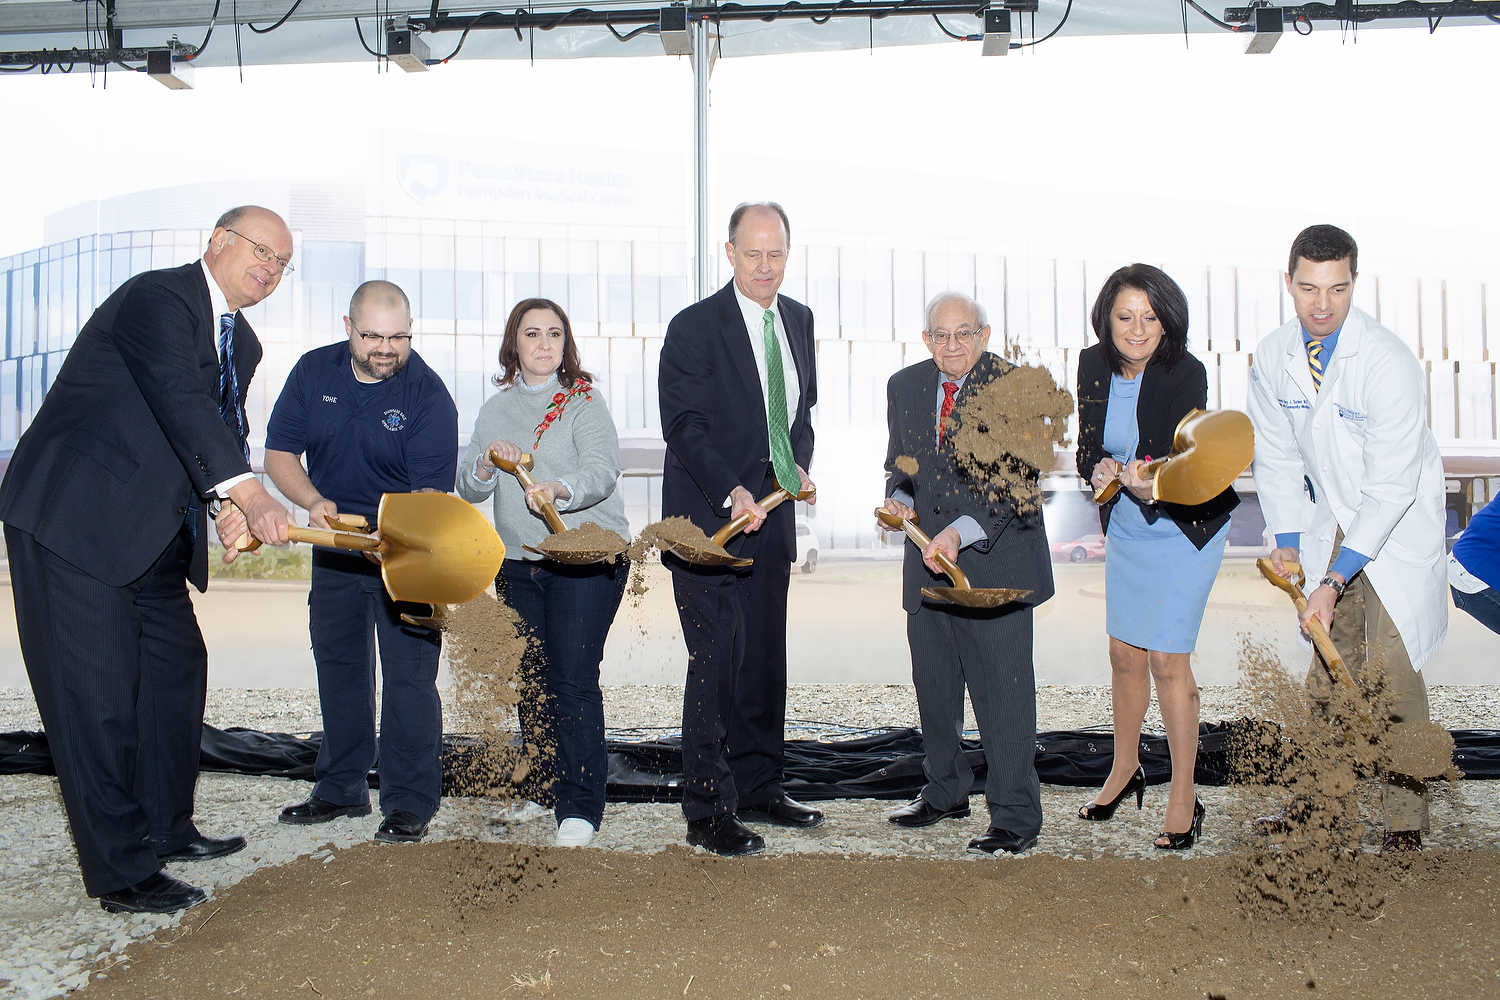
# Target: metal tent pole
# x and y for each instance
(703, 243)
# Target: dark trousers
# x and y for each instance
(1484, 606)
(348, 610)
(734, 698)
(568, 611)
(119, 675)
(990, 652)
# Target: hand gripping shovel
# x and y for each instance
(1210, 448)
(714, 553)
(434, 548)
(1292, 584)
(549, 548)
(960, 593)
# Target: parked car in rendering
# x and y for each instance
(807, 546)
(1078, 549)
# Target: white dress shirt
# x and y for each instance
(219, 306)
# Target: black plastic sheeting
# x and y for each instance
(882, 764)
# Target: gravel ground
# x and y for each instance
(52, 937)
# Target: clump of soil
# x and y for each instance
(486, 643)
(586, 543)
(907, 464)
(681, 537)
(486, 875)
(1316, 763)
(1004, 433)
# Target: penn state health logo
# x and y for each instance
(393, 420)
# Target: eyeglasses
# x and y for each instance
(265, 254)
(376, 339)
(963, 335)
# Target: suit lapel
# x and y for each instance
(737, 345)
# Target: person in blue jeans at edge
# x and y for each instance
(548, 407)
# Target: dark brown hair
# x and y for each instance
(1167, 301)
(1323, 243)
(571, 368)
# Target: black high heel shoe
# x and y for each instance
(1105, 810)
(1184, 841)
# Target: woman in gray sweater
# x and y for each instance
(547, 406)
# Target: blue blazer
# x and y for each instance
(129, 436)
(713, 416)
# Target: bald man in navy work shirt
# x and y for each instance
(371, 418)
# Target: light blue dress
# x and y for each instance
(1156, 580)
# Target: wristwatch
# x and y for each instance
(1334, 583)
(215, 505)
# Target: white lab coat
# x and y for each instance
(1364, 444)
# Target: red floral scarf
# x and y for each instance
(560, 401)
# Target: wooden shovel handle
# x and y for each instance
(1106, 493)
(522, 471)
(349, 522)
(1291, 584)
(917, 535)
(346, 540)
(769, 502)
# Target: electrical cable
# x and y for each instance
(279, 23)
(213, 19)
(633, 32)
(360, 31)
(1222, 24)
(957, 38)
(479, 19)
(1056, 28)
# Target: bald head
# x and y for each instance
(382, 295)
(248, 251)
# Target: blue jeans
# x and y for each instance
(1484, 606)
(568, 611)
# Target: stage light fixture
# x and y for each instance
(163, 66)
(1267, 24)
(996, 39)
(405, 48)
(672, 25)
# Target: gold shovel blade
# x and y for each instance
(975, 597)
(1209, 451)
(437, 549)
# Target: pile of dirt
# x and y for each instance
(586, 543)
(1004, 433)
(679, 536)
(1317, 765)
(381, 921)
(907, 464)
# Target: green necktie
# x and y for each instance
(781, 441)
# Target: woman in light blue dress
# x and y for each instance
(1134, 387)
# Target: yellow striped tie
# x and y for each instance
(1315, 362)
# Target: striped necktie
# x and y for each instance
(229, 384)
(1315, 362)
(781, 440)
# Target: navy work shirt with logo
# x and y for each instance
(363, 439)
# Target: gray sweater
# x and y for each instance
(579, 448)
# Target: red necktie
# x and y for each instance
(949, 388)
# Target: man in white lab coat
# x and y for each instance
(1351, 482)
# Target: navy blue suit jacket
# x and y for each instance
(713, 415)
(130, 434)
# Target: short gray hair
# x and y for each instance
(745, 206)
(945, 298)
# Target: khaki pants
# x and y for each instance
(1367, 638)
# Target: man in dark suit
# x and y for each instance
(103, 505)
(737, 387)
(995, 546)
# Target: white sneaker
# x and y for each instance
(575, 832)
(523, 811)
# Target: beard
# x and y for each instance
(367, 367)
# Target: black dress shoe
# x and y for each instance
(204, 848)
(1401, 841)
(159, 893)
(920, 812)
(724, 835)
(996, 840)
(401, 827)
(783, 811)
(316, 810)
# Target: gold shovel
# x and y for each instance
(1292, 584)
(434, 548)
(578, 557)
(960, 593)
(1210, 448)
(714, 553)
